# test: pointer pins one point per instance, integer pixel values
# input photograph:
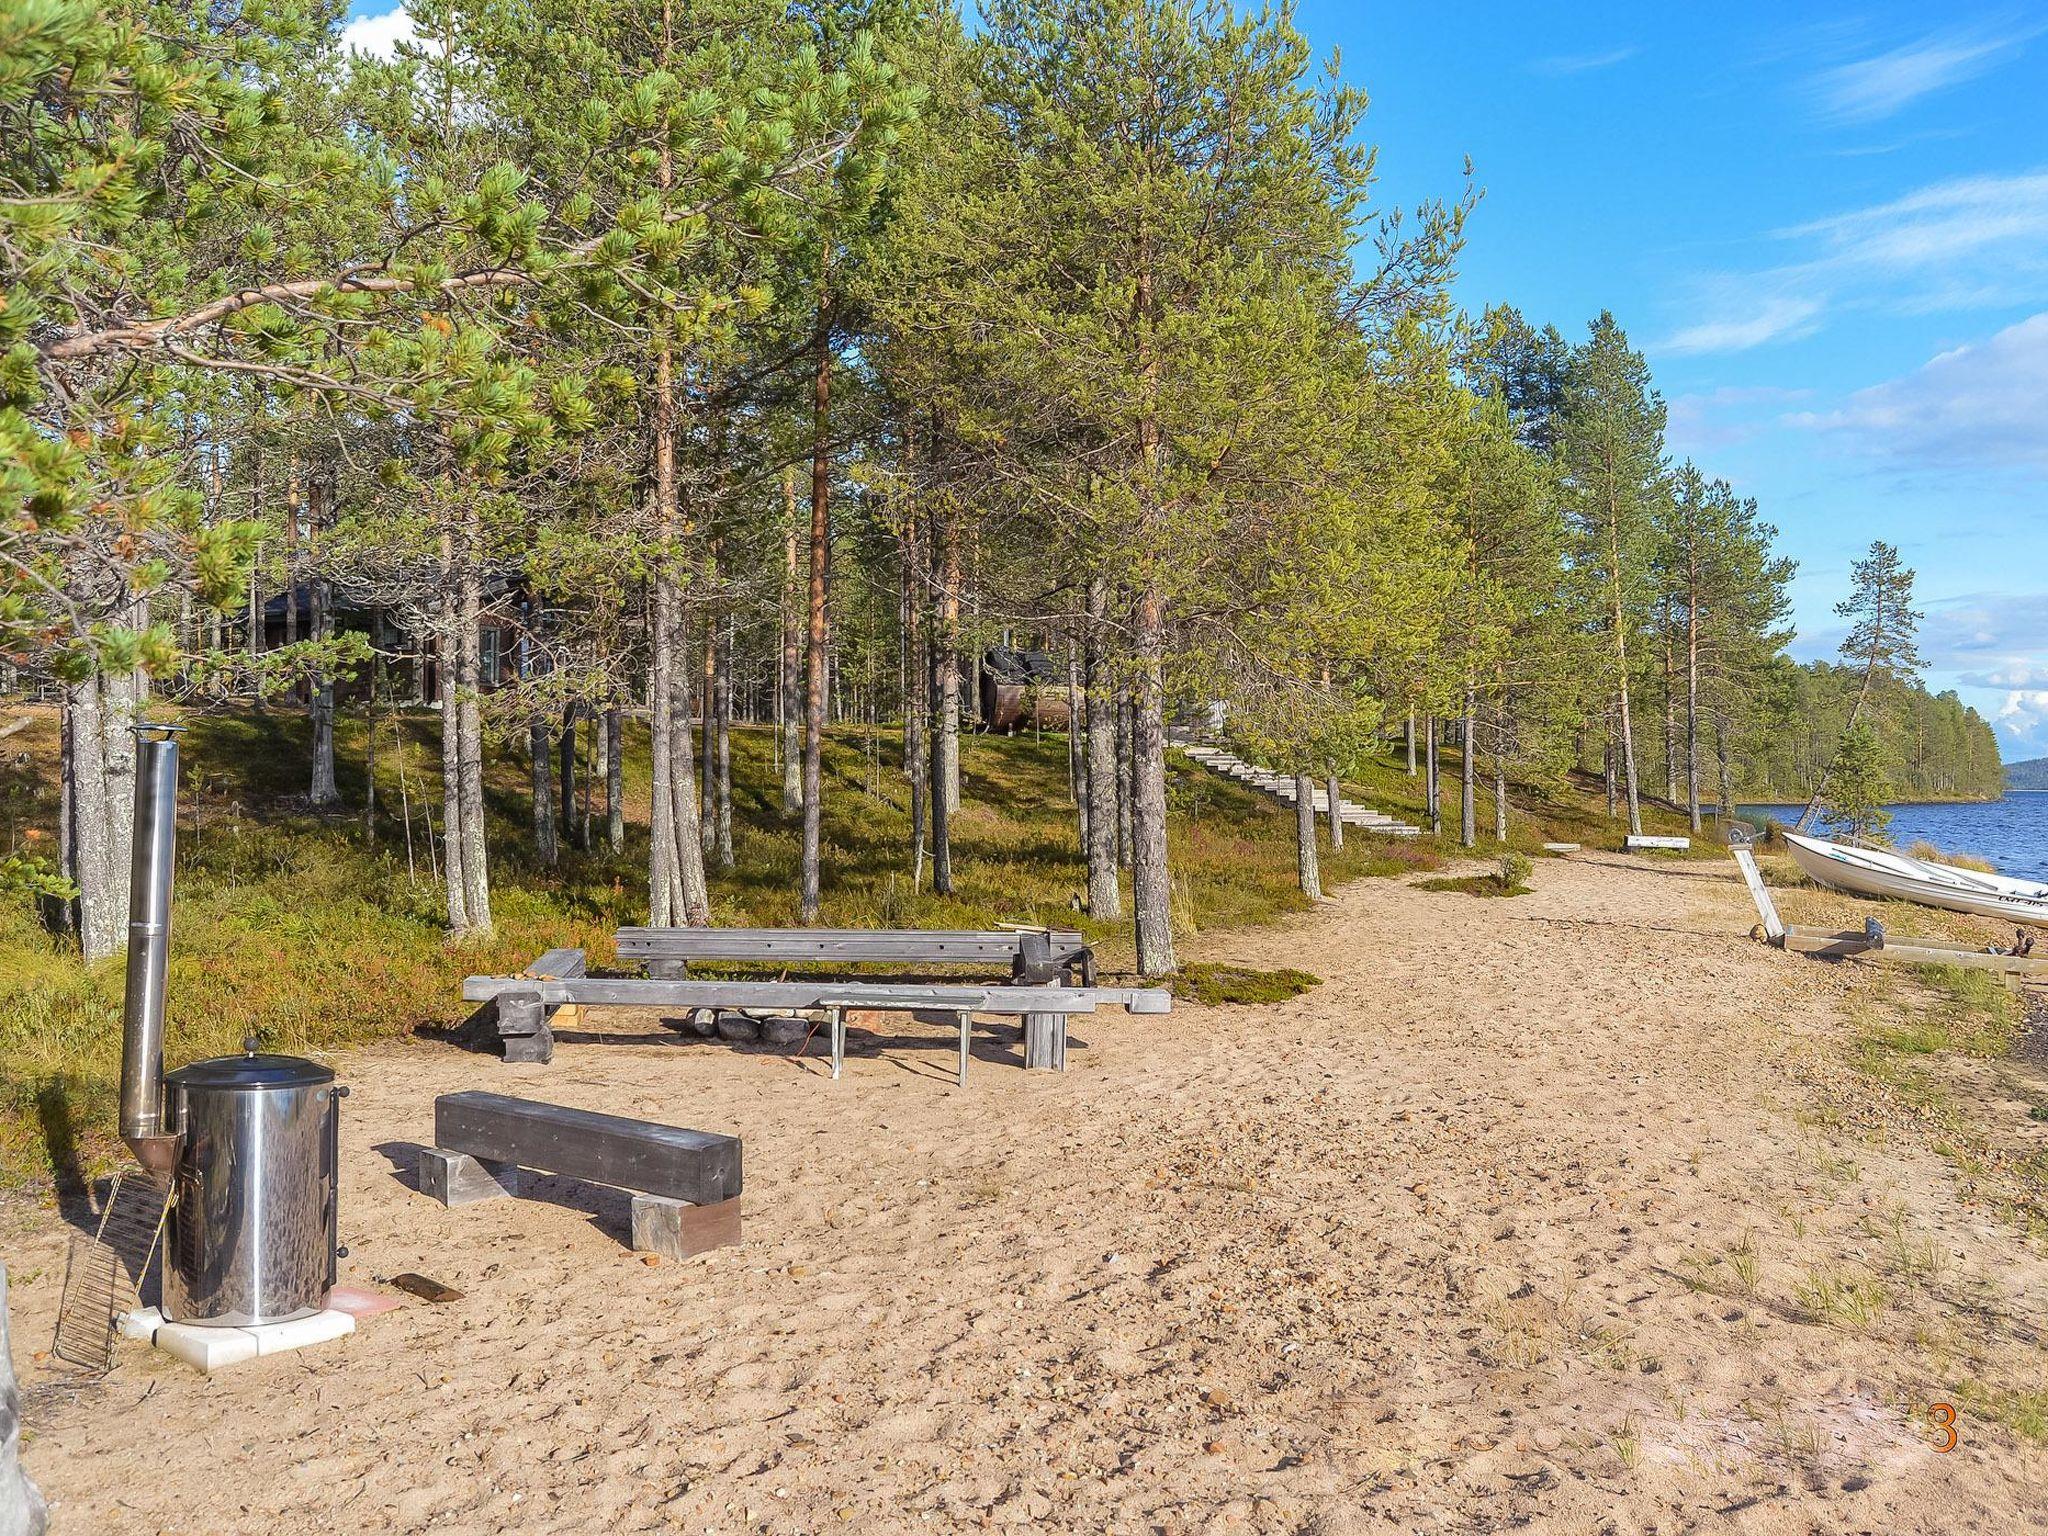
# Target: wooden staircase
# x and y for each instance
(1281, 787)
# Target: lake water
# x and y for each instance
(2012, 833)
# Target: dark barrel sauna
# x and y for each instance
(1021, 690)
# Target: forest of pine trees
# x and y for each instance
(647, 368)
(1936, 747)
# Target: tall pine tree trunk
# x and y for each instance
(1125, 752)
(1500, 772)
(320, 697)
(565, 774)
(1727, 770)
(540, 742)
(946, 692)
(1334, 809)
(1105, 898)
(614, 778)
(1307, 872)
(476, 878)
(917, 681)
(1411, 742)
(1432, 786)
(789, 671)
(721, 700)
(1670, 714)
(99, 766)
(1692, 713)
(817, 619)
(1619, 619)
(320, 703)
(447, 668)
(1074, 714)
(1468, 776)
(1151, 880)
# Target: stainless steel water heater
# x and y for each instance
(249, 1143)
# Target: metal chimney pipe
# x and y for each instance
(149, 943)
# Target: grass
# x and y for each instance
(2025, 1413)
(1922, 849)
(1473, 885)
(1214, 985)
(313, 932)
(1569, 809)
(1957, 1010)
(1841, 1297)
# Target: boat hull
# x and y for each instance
(1895, 877)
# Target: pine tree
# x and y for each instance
(1883, 626)
(1611, 445)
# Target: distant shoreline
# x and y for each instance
(1741, 800)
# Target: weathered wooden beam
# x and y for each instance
(665, 1160)
(628, 992)
(844, 944)
(1658, 842)
(1861, 945)
(1774, 927)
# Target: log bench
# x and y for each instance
(685, 1185)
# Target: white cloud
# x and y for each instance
(1968, 243)
(2022, 720)
(1582, 63)
(1979, 406)
(1867, 90)
(1938, 226)
(1781, 317)
(1995, 643)
(379, 36)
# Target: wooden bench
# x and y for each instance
(685, 1184)
(529, 998)
(1033, 956)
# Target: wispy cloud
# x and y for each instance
(379, 36)
(1968, 243)
(1982, 406)
(1870, 89)
(1581, 63)
(1768, 318)
(1938, 227)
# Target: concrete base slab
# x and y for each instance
(211, 1349)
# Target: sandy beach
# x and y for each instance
(1530, 1216)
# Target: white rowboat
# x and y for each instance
(1879, 872)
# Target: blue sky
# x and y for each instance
(1830, 234)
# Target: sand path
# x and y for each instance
(1449, 1243)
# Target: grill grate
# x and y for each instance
(103, 1275)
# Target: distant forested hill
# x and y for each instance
(1941, 749)
(2032, 774)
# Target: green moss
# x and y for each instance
(1473, 885)
(1219, 984)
